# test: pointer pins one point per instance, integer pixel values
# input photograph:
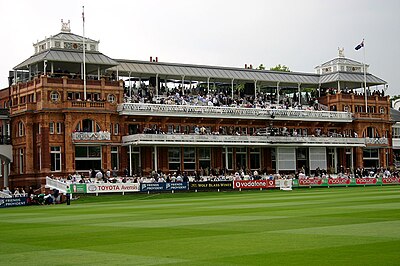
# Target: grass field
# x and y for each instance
(340, 226)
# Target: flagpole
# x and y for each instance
(84, 54)
(365, 82)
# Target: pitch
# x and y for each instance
(340, 226)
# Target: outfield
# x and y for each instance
(336, 226)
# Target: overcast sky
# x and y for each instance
(300, 34)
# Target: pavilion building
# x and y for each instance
(146, 116)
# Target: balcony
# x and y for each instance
(229, 140)
(377, 141)
(91, 136)
(231, 112)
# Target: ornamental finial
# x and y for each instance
(65, 27)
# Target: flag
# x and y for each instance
(83, 14)
(361, 45)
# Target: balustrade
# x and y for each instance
(252, 113)
(237, 140)
(102, 135)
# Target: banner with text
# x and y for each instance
(112, 187)
(391, 181)
(253, 184)
(145, 187)
(211, 185)
(13, 202)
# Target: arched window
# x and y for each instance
(371, 132)
(87, 125)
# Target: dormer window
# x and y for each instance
(57, 44)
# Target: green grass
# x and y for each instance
(337, 226)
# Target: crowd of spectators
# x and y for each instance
(198, 96)
(220, 174)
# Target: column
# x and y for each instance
(299, 89)
(255, 89)
(208, 85)
(156, 85)
(226, 158)
(277, 93)
(232, 87)
(155, 159)
(183, 85)
(130, 160)
(335, 160)
(130, 85)
(6, 172)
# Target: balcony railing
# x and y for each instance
(229, 140)
(376, 141)
(231, 112)
(102, 135)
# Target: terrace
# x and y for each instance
(231, 112)
(229, 140)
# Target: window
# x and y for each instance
(227, 157)
(371, 132)
(58, 127)
(189, 158)
(87, 125)
(174, 158)
(54, 96)
(21, 129)
(371, 158)
(55, 157)
(204, 157)
(114, 158)
(255, 155)
(116, 129)
(87, 157)
(51, 127)
(21, 161)
(111, 98)
(241, 158)
(382, 110)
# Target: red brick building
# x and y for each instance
(155, 116)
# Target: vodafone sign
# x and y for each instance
(366, 181)
(391, 180)
(310, 181)
(253, 184)
(339, 181)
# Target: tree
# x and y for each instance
(280, 67)
(261, 67)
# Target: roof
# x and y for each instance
(58, 55)
(67, 36)
(395, 115)
(351, 77)
(342, 61)
(173, 70)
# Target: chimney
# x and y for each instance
(151, 59)
(156, 58)
(245, 66)
(251, 66)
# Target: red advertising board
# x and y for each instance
(339, 181)
(391, 180)
(252, 184)
(310, 181)
(366, 181)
